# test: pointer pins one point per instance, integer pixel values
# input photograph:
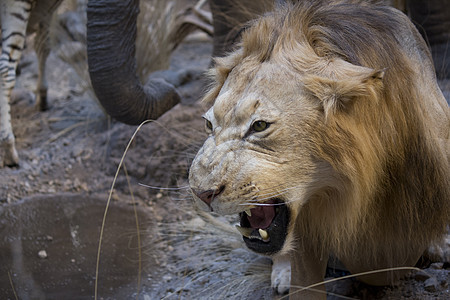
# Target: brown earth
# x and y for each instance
(51, 207)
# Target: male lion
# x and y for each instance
(328, 135)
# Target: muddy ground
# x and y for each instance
(52, 205)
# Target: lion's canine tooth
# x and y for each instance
(248, 212)
(263, 234)
(244, 231)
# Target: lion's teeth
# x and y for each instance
(247, 232)
(263, 234)
(248, 212)
(244, 231)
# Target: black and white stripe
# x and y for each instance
(14, 17)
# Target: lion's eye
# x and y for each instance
(259, 126)
(208, 125)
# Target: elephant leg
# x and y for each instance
(14, 17)
(204, 15)
(229, 19)
(42, 48)
(200, 18)
(432, 18)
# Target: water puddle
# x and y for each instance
(48, 249)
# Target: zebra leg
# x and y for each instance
(14, 17)
(7, 140)
(42, 48)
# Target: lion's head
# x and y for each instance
(319, 128)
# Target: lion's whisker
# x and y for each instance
(165, 188)
(261, 204)
(257, 201)
(180, 199)
(273, 190)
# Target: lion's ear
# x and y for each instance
(336, 94)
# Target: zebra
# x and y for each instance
(17, 18)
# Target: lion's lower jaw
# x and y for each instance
(265, 227)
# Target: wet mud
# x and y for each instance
(49, 247)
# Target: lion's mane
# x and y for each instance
(386, 127)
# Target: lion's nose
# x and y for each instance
(208, 196)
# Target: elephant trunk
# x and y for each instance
(111, 38)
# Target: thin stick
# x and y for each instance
(66, 130)
(138, 231)
(351, 276)
(109, 201)
(12, 286)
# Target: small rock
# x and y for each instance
(76, 183)
(408, 293)
(196, 223)
(87, 153)
(437, 266)
(84, 187)
(77, 151)
(67, 183)
(9, 198)
(42, 254)
(421, 276)
(431, 284)
(341, 287)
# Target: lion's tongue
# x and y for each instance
(262, 217)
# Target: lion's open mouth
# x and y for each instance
(264, 228)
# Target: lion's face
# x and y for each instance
(258, 160)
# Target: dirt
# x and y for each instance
(69, 156)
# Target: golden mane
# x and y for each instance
(392, 171)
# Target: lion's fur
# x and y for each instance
(384, 128)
